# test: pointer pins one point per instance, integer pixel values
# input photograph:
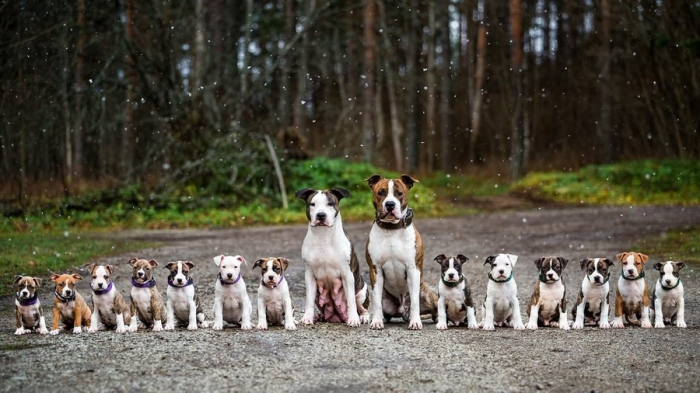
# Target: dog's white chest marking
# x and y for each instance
(180, 299)
(550, 298)
(394, 251)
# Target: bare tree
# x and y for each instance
(517, 153)
(368, 90)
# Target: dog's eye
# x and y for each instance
(94, 277)
(312, 204)
(662, 273)
(399, 193)
(331, 203)
(381, 192)
(106, 277)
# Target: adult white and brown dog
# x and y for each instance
(333, 280)
(501, 307)
(274, 301)
(668, 304)
(183, 305)
(28, 313)
(547, 304)
(454, 294)
(147, 306)
(592, 305)
(632, 296)
(394, 255)
(109, 310)
(231, 301)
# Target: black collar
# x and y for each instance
(501, 281)
(640, 276)
(402, 224)
(28, 302)
(64, 299)
(669, 288)
(452, 284)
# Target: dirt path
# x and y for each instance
(336, 358)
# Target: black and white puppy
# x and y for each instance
(274, 300)
(501, 307)
(668, 305)
(593, 303)
(454, 294)
(548, 302)
(183, 305)
(28, 313)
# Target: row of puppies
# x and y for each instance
(547, 305)
(147, 309)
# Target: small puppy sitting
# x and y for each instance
(548, 302)
(668, 305)
(69, 307)
(454, 294)
(28, 313)
(109, 309)
(632, 296)
(231, 302)
(592, 306)
(147, 305)
(501, 307)
(274, 302)
(183, 305)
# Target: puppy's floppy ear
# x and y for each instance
(680, 265)
(54, 277)
(608, 262)
(76, 277)
(16, 279)
(372, 180)
(539, 262)
(304, 193)
(440, 258)
(408, 181)
(621, 256)
(132, 261)
(189, 264)
(513, 259)
(90, 267)
(109, 268)
(461, 258)
(658, 266)
(584, 263)
(644, 258)
(169, 265)
(240, 258)
(340, 193)
(284, 262)
(563, 261)
(258, 263)
(489, 260)
(219, 259)
(37, 281)
(153, 263)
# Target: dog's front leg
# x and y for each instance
(42, 323)
(311, 288)
(604, 310)
(247, 310)
(170, 323)
(19, 325)
(658, 314)
(578, 324)
(192, 323)
(377, 289)
(349, 287)
(680, 316)
(563, 316)
(487, 311)
(618, 322)
(289, 322)
(134, 323)
(517, 317)
(78, 321)
(94, 318)
(413, 281)
(56, 317)
(442, 315)
(121, 327)
(218, 313)
(534, 313)
(262, 312)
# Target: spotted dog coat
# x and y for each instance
(274, 302)
(548, 302)
(592, 305)
(147, 306)
(668, 304)
(28, 313)
(454, 294)
(632, 296)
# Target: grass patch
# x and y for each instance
(681, 244)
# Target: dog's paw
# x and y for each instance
(519, 326)
(353, 321)
(54, 332)
(646, 324)
(192, 326)
(577, 325)
(91, 329)
(364, 318)
(604, 325)
(564, 326)
(307, 320)
(618, 324)
(531, 326)
(681, 324)
(121, 329)
(290, 326)
(43, 331)
(377, 324)
(217, 326)
(157, 326)
(132, 328)
(262, 326)
(472, 326)
(77, 330)
(247, 326)
(488, 326)
(21, 330)
(169, 326)
(659, 324)
(441, 326)
(415, 325)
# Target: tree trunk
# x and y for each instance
(197, 84)
(605, 110)
(245, 59)
(368, 92)
(446, 161)
(79, 91)
(299, 117)
(517, 153)
(127, 145)
(478, 94)
(285, 63)
(430, 84)
(412, 110)
(396, 125)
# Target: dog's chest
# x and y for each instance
(141, 297)
(274, 302)
(231, 299)
(501, 295)
(550, 298)
(30, 314)
(670, 299)
(397, 246)
(596, 295)
(326, 256)
(631, 291)
(66, 310)
(455, 307)
(180, 299)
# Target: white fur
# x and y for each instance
(550, 298)
(450, 301)
(181, 303)
(275, 303)
(231, 302)
(669, 302)
(631, 290)
(595, 295)
(102, 304)
(502, 298)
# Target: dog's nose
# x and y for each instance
(230, 275)
(140, 274)
(179, 280)
(596, 279)
(99, 284)
(451, 275)
(501, 271)
(550, 275)
(270, 277)
(630, 271)
(668, 281)
(321, 216)
(390, 206)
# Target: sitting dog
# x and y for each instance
(109, 310)
(333, 279)
(632, 296)
(69, 307)
(668, 305)
(147, 305)
(501, 307)
(231, 302)
(28, 313)
(274, 302)
(394, 255)
(183, 305)
(548, 302)
(592, 305)
(454, 294)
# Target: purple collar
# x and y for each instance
(276, 285)
(189, 282)
(221, 280)
(148, 284)
(103, 291)
(28, 302)
(64, 299)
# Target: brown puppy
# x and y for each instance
(28, 313)
(147, 305)
(109, 310)
(632, 297)
(274, 301)
(69, 307)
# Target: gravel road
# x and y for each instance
(333, 357)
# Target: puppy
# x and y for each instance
(548, 302)
(501, 307)
(183, 305)
(632, 296)
(274, 302)
(147, 305)
(69, 307)
(333, 277)
(28, 313)
(231, 302)
(454, 294)
(592, 305)
(109, 310)
(668, 305)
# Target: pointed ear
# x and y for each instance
(408, 181)
(37, 281)
(258, 263)
(513, 259)
(16, 279)
(284, 262)
(77, 277)
(109, 268)
(189, 264)
(584, 262)
(219, 259)
(658, 266)
(489, 260)
(153, 263)
(621, 256)
(680, 265)
(304, 193)
(539, 262)
(645, 258)
(563, 262)
(54, 277)
(240, 258)
(132, 261)
(462, 258)
(372, 180)
(340, 193)
(440, 258)
(169, 265)
(90, 267)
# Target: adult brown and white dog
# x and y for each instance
(274, 301)
(592, 305)
(632, 296)
(28, 313)
(455, 302)
(147, 306)
(69, 307)
(333, 280)
(667, 303)
(183, 306)
(109, 310)
(395, 257)
(548, 302)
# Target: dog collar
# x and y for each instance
(189, 282)
(103, 291)
(148, 284)
(500, 281)
(669, 288)
(64, 299)
(452, 284)
(606, 279)
(276, 285)
(402, 224)
(221, 280)
(641, 275)
(28, 302)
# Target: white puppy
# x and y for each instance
(274, 302)
(668, 305)
(231, 302)
(501, 307)
(183, 305)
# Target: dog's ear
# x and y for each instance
(408, 181)
(658, 266)
(90, 267)
(189, 264)
(109, 268)
(489, 260)
(539, 262)
(372, 180)
(258, 263)
(584, 263)
(37, 281)
(680, 265)
(54, 277)
(621, 256)
(462, 258)
(340, 193)
(76, 277)
(132, 261)
(608, 262)
(16, 279)
(440, 258)
(513, 259)
(169, 265)
(153, 263)
(304, 193)
(284, 262)
(219, 259)
(240, 258)
(563, 262)
(644, 258)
